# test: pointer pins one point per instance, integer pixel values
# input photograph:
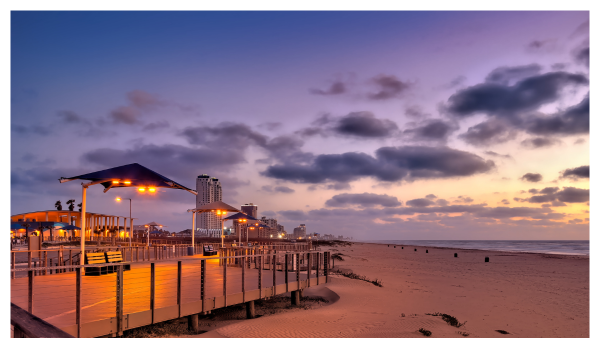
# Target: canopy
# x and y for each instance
(70, 227)
(36, 225)
(240, 215)
(156, 232)
(217, 205)
(154, 224)
(16, 226)
(136, 174)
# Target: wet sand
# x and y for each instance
(526, 295)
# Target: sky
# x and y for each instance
(375, 125)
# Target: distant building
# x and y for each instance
(250, 209)
(300, 232)
(209, 190)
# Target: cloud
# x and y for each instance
(539, 142)
(156, 125)
(532, 177)
(505, 201)
(509, 75)
(575, 173)
(294, 215)
(496, 99)
(559, 197)
(574, 120)
(68, 116)
(442, 202)
(388, 87)
(33, 129)
(431, 196)
(414, 112)
(495, 154)
(464, 199)
(362, 124)
(492, 131)
(336, 88)
(363, 200)
(143, 100)
(432, 130)
(390, 164)
(270, 126)
(276, 189)
(125, 115)
(420, 203)
(582, 56)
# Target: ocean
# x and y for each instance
(549, 247)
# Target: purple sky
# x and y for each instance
(377, 125)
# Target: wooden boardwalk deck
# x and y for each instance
(54, 296)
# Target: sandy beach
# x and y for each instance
(525, 295)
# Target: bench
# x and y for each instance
(115, 257)
(95, 258)
(209, 251)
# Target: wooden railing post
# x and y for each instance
(298, 270)
(202, 281)
(274, 272)
(78, 301)
(308, 262)
(286, 272)
(30, 292)
(318, 263)
(179, 288)
(259, 258)
(243, 264)
(45, 261)
(13, 256)
(152, 289)
(225, 281)
(326, 265)
(120, 300)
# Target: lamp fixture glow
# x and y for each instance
(141, 189)
(151, 189)
(118, 199)
(115, 182)
(127, 182)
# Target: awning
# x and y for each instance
(240, 215)
(217, 205)
(130, 175)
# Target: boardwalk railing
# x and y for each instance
(152, 292)
(68, 257)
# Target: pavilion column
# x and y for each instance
(118, 232)
(131, 228)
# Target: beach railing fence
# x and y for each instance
(157, 291)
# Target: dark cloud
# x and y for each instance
(388, 87)
(363, 200)
(420, 202)
(531, 177)
(34, 129)
(125, 115)
(495, 154)
(505, 201)
(557, 196)
(442, 202)
(355, 124)
(500, 100)
(190, 161)
(237, 137)
(389, 164)
(492, 131)
(431, 196)
(582, 56)
(68, 116)
(543, 46)
(509, 75)
(336, 88)
(364, 124)
(575, 173)
(464, 199)
(414, 112)
(270, 126)
(539, 142)
(294, 215)
(276, 189)
(432, 130)
(533, 191)
(156, 125)
(574, 120)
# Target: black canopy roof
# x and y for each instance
(240, 215)
(137, 174)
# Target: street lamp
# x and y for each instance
(147, 226)
(118, 199)
(220, 214)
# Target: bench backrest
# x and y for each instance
(206, 248)
(114, 257)
(210, 248)
(95, 258)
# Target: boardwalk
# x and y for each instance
(55, 301)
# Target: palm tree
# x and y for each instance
(26, 226)
(336, 256)
(79, 205)
(58, 205)
(71, 204)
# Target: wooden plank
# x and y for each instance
(286, 272)
(152, 289)
(34, 326)
(243, 264)
(202, 282)
(179, 288)
(225, 280)
(30, 292)
(120, 299)
(308, 262)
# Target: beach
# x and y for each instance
(514, 294)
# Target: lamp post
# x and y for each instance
(118, 199)
(220, 214)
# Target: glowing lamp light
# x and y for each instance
(118, 199)
(127, 182)
(141, 189)
(115, 182)
(152, 189)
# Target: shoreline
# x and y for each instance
(477, 249)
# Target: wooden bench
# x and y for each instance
(115, 257)
(209, 251)
(95, 258)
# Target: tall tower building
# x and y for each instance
(209, 190)
(250, 209)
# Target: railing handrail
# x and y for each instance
(186, 258)
(33, 326)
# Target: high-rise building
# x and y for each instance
(209, 190)
(250, 209)
(300, 232)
